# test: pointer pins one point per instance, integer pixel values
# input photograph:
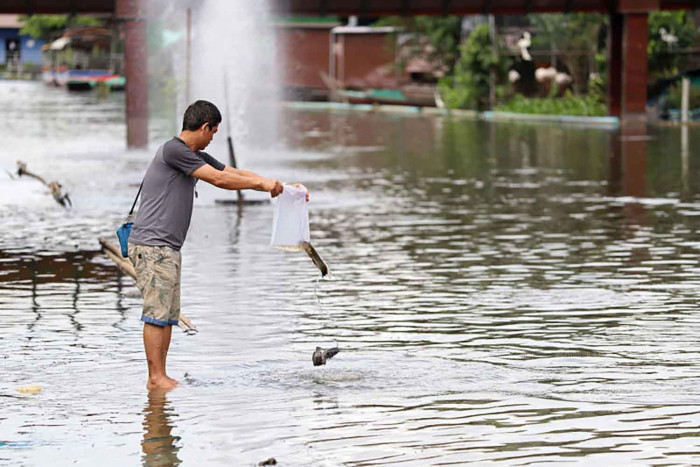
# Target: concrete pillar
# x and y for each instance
(615, 65)
(627, 87)
(629, 36)
(634, 65)
(130, 14)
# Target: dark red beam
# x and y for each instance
(467, 7)
(381, 7)
(40, 7)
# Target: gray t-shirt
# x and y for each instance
(167, 195)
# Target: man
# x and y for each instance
(162, 222)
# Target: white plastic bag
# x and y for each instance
(290, 224)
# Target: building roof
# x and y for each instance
(365, 30)
(297, 25)
(9, 22)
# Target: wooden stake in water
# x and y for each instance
(229, 139)
(685, 100)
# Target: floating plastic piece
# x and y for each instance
(31, 389)
(290, 224)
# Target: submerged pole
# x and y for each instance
(685, 101)
(130, 14)
(494, 52)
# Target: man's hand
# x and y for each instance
(275, 187)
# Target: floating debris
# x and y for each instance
(31, 389)
(55, 187)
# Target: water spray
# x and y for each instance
(231, 153)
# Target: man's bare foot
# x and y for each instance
(164, 382)
(172, 380)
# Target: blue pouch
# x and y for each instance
(124, 230)
(123, 235)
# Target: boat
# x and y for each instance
(417, 95)
(81, 59)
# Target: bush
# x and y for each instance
(588, 106)
(469, 86)
(675, 96)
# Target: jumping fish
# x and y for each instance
(321, 355)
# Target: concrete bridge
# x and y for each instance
(628, 36)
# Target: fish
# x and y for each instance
(318, 262)
(321, 355)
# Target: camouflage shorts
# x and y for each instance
(158, 279)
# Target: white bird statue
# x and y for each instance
(524, 43)
(667, 37)
(513, 76)
(562, 79)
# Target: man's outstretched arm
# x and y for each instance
(248, 172)
(235, 179)
(237, 171)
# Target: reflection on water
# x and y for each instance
(159, 446)
(501, 293)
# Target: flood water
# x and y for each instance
(507, 293)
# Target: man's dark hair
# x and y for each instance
(198, 114)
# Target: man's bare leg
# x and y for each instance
(154, 340)
(166, 345)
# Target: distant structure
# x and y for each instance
(628, 31)
(360, 64)
(18, 53)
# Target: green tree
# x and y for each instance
(469, 85)
(567, 35)
(443, 33)
(663, 57)
(47, 27)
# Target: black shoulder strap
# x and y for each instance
(135, 199)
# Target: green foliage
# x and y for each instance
(571, 32)
(442, 32)
(47, 27)
(675, 96)
(469, 86)
(662, 62)
(566, 32)
(567, 105)
(597, 88)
